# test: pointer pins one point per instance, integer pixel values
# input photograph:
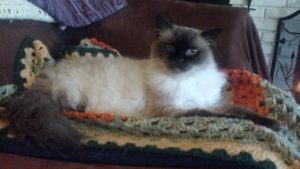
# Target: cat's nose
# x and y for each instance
(174, 64)
(179, 59)
(177, 64)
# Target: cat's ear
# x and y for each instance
(163, 23)
(211, 35)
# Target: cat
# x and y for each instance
(180, 78)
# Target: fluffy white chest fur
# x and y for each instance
(199, 88)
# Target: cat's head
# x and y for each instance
(180, 48)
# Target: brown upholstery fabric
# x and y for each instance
(132, 29)
(237, 47)
(12, 161)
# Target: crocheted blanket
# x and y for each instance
(186, 141)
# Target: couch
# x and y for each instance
(130, 31)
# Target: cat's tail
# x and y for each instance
(238, 112)
(35, 117)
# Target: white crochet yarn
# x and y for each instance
(22, 9)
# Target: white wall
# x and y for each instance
(266, 17)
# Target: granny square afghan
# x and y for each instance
(186, 141)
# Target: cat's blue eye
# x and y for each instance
(191, 52)
(170, 48)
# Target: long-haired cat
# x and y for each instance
(180, 78)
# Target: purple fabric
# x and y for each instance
(77, 13)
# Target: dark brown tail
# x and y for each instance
(239, 112)
(235, 111)
(37, 118)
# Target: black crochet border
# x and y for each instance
(129, 154)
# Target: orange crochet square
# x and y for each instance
(246, 90)
(101, 44)
(93, 116)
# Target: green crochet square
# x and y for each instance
(86, 49)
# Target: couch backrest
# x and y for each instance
(132, 29)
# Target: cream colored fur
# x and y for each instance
(134, 87)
